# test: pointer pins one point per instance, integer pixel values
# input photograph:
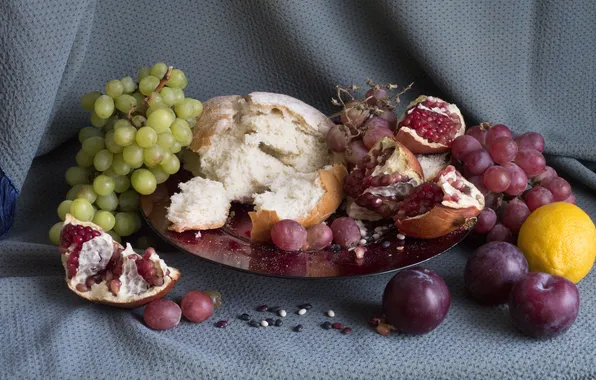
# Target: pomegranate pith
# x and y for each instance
(73, 237)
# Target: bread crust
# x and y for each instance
(332, 180)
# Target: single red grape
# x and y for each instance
(515, 214)
(495, 132)
(503, 150)
(560, 188)
(477, 162)
(486, 221)
(537, 196)
(531, 161)
(530, 140)
(519, 179)
(497, 179)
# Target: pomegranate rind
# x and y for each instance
(447, 216)
(419, 145)
(121, 301)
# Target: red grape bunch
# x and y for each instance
(511, 173)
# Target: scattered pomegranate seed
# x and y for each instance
(337, 325)
(221, 324)
(347, 330)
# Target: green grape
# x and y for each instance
(167, 155)
(139, 121)
(177, 79)
(159, 70)
(87, 132)
(114, 236)
(83, 159)
(77, 176)
(128, 85)
(114, 88)
(125, 224)
(197, 107)
(125, 102)
(82, 210)
(176, 147)
(138, 222)
(133, 155)
(107, 202)
(103, 160)
(160, 120)
(87, 193)
(159, 173)
(143, 181)
(142, 73)
(110, 173)
(153, 156)
(154, 98)
(97, 121)
(93, 145)
(156, 107)
(121, 123)
(103, 185)
(139, 97)
(63, 209)
(171, 165)
(109, 124)
(192, 121)
(181, 132)
(146, 137)
(71, 195)
(129, 200)
(125, 136)
(111, 143)
(55, 232)
(104, 106)
(168, 96)
(122, 183)
(179, 95)
(165, 140)
(104, 219)
(88, 100)
(184, 109)
(148, 84)
(119, 166)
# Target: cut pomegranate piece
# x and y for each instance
(439, 207)
(388, 174)
(430, 125)
(101, 270)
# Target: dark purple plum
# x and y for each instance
(543, 305)
(416, 301)
(492, 271)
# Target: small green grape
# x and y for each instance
(125, 136)
(176, 147)
(138, 222)
(153, 156)
(111, 143)
(139, 121)
(125, 224)
(184, 109)
(181, 132)
(179, 95)
(104, 219)
(160, 120)
(156, 107)
(191, 122)
(109, 124)
(125, 102)
(104, 106)
(77, 176)
(103, 185)
(121, 123)
(171, 165)
(143, 181)
(82, 210)
(197, 107)
(87, 193)
(114, 236)
(88, 100)
(119, 166)
(107, 202)
(71, 195)
(129, 200)
(103, 160)
(140, 99)
(110, 173)
(83, 159)
(128, 85)
(159, 70)
(133, 155)
(97, 121)
(146, 137)
(168, 96)
(177, 79)
(55, 232)
(87, 132)
(165, 140)
(148, 84)
(63, 209)
(93, 145)
(159, 173)
(154, 98)
(142, 73)
(114, 88)
(122, 183)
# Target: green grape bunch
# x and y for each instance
(138, 128)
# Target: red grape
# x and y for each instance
(374, 134)
(162, 314)
(390, 117)
(353, 116)
(477, 162)
(355, 152)
(486, 221)
(571, 199)
(495, 132)
(503, 150)
(346, 232)
(464, 145)
(519, 179)
(537, 196)
(545, 175)
(560, 188)
(375, 94)
(515, 214)
(491, 200)
(196, 306)
(288, 235)
(497, 179)
(337, 138)
(478, 181)
(416, 301)
(530, 140)
(531, 161)
(478, 132)
(319, 236)
(500, 233)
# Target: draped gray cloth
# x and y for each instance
(527, 64)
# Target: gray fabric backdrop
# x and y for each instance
(527, 64)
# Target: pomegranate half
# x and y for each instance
(429, 125)
(439, 207)
(388, 173)
(101, 270)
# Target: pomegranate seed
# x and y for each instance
(115, 285)
(347, 330)
(337, 325)
(82, 288)
(221, 324)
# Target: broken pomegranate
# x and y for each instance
(101, 270)
(430, 125)
(389, 172)
(439, 207)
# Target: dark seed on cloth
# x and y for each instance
(244, 317)
(262, 308)
(273, 309)
(298, 328)
(278, 322)
(326, 325)
(253, 323)
(221, 324)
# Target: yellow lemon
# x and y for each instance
(559, 238)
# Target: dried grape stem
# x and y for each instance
(161, 85)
